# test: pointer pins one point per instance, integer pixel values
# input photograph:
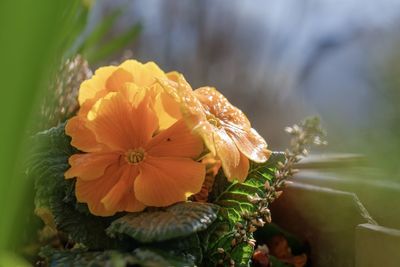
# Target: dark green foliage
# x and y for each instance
(176, 236)
(54, 194)
(112, 258)
(179, 220)
(276, 262)
(187, 248)
(234, 199)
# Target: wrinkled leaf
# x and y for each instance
(187, 248)
(54, 199)
(141, 257)
(178, 220)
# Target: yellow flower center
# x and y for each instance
(213, 120)
(135, 156)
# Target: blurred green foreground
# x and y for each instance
(33, 35)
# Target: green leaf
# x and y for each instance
(55, 195)
(140, 257)
(151, 257)
(187, 248)
(233, 198)
(242, 254)
(179, 220)
(47, 164)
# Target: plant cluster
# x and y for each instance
(150, 172)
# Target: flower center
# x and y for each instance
(135, 156)
(213, 120)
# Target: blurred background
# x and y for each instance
(277, 60)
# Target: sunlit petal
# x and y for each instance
(176, 141)
(119, 125)
(220, 107)
(117, 79)
(90, 166)
(82, 137)
(92, 192)
(121, 196)
(143, 74)
(250, 143)
(241, 171)
(91, 87)
(164, 181)
(226, 152)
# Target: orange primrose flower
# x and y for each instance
(111, 79)
(225, 129)
(130, 162)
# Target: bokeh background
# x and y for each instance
(277, 60)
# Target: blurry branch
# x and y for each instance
(93, 46)
(115, 45)
(79, 50)
(99, 32)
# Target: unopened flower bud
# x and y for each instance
(234, 242)
(252, 228)
(267, 186)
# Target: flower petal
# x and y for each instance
(90, 166)
(97, 83)
(92, 192)
(220, 107)
(226, 152)
(250, 143)
(143, 74)
(167, 109)
(117, 79)
(82, 137)
(164, 181)
(192, 110)
(241, 171)
(119, 125)
(121, 197)
(176, 141)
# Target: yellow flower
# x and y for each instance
(225, 129)
(134, 156)
(113, 78)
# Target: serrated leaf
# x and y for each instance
(47, 164)
(276, 156)
(242, 254)
(233, 198)
(179, 220)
